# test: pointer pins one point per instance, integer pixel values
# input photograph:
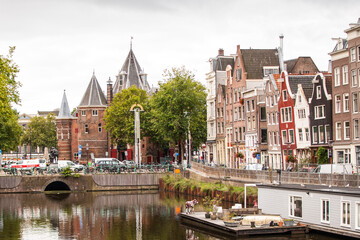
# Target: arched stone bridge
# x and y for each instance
(131, 181)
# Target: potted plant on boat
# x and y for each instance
(208, 207)
(288, 222)
(229, 222)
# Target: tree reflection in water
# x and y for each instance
(97, 215)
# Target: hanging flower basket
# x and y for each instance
(241, 101)
(290, 158)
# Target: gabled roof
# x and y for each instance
(93, 96)
(255, 59)
(222, 62)
(64, 108)
(304, 80)
(132, 75)
(290, 64)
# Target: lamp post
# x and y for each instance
(188, 143)
(87, 154)
(137, 108)
(30, 142)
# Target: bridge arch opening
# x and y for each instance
(57, 186)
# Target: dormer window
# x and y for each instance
(270, 70)
(94, 112)
(318, 92)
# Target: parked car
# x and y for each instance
(67, 163)
(345, 168)
(129, 164)
(109, 165)
(254, 166)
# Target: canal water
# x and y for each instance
(102, 215)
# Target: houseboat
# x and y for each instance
(324, 208)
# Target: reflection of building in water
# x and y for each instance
(88, 216)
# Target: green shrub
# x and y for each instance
(66, 172)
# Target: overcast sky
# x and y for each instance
(60, 43)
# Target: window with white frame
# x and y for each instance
(235, 114)
(295, 206)
(271, 101)
(325, 210)
(337, 104)
(345, 213)
(318, 92)
(358, 50)
(83, 113)
(273, 115)
(307, 134)
(286, 114)
(275, 99)
(345, 74)
(249, 124)
(269, 119)
(95, 112)
(353, 78)
(315, 134)
(319, 112)
(248, 106)
(356, 128)
(291, 135)
(355, 104)
(301, 113)
(337, 76)
(346, 102)
(252, 105)
(321, 134)
(338, 130)
(253, 122)
(327, 133)
(270, 138)
(353, 54)
(357, 216)
(284, 95)
(270, 70)
(343, 156)
(346, 130)
(275, 136)
(284, 137)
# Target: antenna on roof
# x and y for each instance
(131, 42)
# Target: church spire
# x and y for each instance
(64, 108)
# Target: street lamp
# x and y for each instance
(137, 108)
(87, 154)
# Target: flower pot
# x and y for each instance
(207, 215)
(213, 216)
(281, 224)
(288, 223)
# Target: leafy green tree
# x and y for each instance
(10, 131)
(322, 155)
(118, 118)
(179, 104)
(41, 132)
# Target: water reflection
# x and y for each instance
(99, 215)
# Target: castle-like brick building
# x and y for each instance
(81, 135)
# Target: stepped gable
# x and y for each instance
(305, 81)
(93, 96)
(131, 74)
(64, 111)
(256, 59)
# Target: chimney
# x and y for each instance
(281, 53)
(109, 96)
(221, 52)
(330, 67)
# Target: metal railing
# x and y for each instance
(297, 174)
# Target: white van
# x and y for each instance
(29, 164)
(66, 163)
(345, 168)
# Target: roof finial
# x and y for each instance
(131, 42)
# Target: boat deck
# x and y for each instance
(198, 220)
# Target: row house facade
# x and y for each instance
(345, 61)
(215, 77)
(320, 105)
